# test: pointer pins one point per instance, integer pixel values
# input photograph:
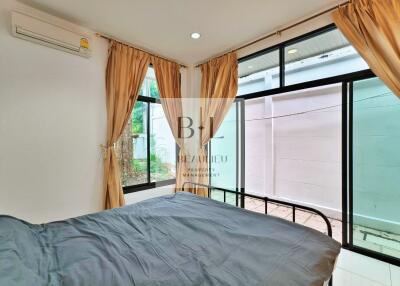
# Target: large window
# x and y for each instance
(325, 55)
(375, 167)
(146, 149)
(321, 54)
(162, 146)
(260, 72)
(149, 87)
(329, 132)
(132, 147)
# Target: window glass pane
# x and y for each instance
(223, 172)
(162, 146)
(325, 55)
(259, 73)
(149, 87)
(132, 147)
(376, 167)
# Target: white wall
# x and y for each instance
(258, 146)
(298, 157)
(52, 121)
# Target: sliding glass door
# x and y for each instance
(374, 167)
(225, 153)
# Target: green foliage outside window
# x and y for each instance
(137, 118)
(139, 166)
(158, 168)
(154, 89)
(139, 109)
(156, 164)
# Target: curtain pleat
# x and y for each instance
(373, 28)
(169, 85)
(126, 69)
(219, 85)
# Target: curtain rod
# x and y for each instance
(140, 49)
(278, 32)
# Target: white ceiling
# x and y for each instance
(164, 26)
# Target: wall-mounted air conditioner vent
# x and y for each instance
(41, 32)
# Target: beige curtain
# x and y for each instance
(219, 84)
(169, 85)
(126, 69)
(373, 28)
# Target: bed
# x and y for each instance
(174, 240)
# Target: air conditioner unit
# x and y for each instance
(44, 33)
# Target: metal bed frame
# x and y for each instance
(266, 201)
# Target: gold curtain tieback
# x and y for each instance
(105, 149)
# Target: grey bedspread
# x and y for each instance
(173, 240)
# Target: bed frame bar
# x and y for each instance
(266, 201)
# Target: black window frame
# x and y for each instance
(306, 84)
(149, 184)
(264, 52)
(347, 191)
(346, 81)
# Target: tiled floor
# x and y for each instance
(353, 269)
